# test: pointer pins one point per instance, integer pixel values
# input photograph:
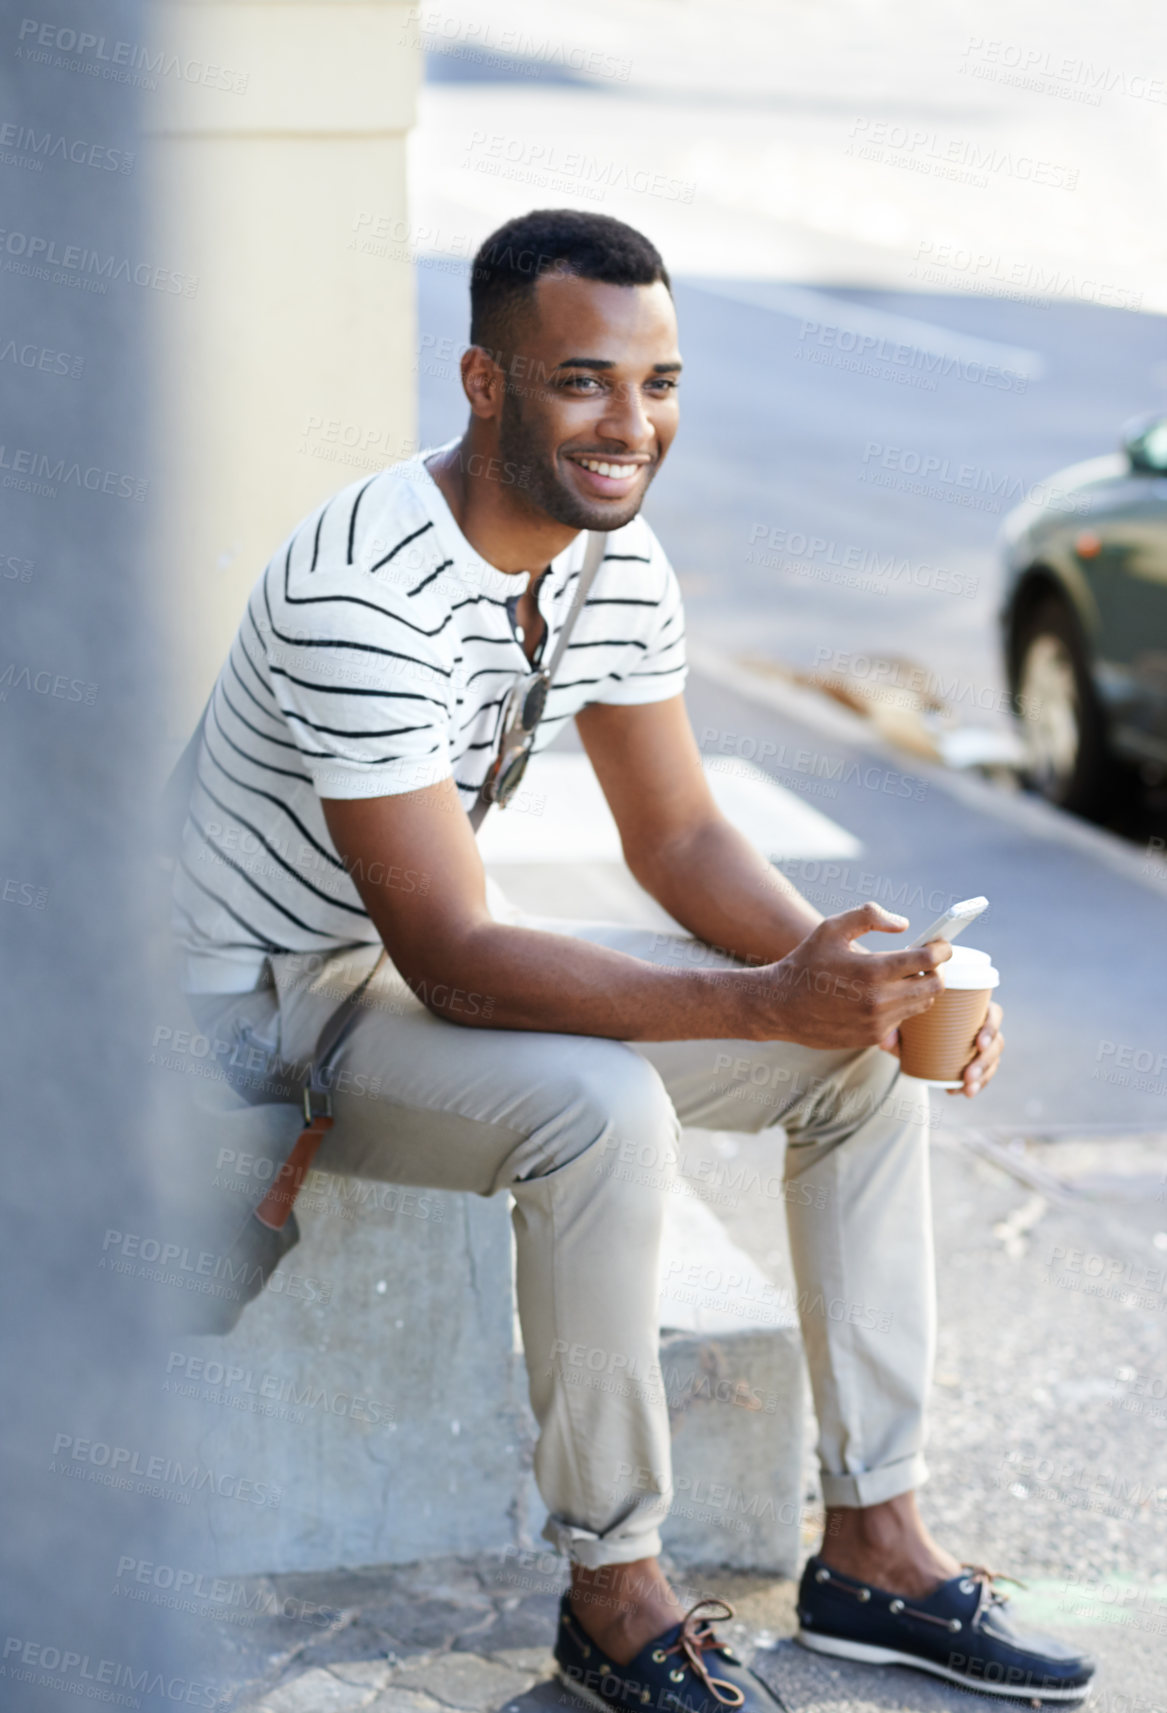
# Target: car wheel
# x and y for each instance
(1062, 724)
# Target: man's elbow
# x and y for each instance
(447, 975)
(669, 858)
(454, 1003)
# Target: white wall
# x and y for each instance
(282, 128)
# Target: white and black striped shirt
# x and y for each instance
(373, 658)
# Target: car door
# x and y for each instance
(1122, 551)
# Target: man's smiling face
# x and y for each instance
(591, 403)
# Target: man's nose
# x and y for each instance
(626, 418)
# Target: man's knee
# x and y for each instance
(612, 1106)
(628, 1109)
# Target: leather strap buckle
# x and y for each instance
(317, 1104)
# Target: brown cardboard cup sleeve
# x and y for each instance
(937, 1044)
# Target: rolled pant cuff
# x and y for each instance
(592, 1551)
(873, 1486)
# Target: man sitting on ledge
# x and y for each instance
(349, 733)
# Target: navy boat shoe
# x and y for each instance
(685, 1670)
(962, 1631)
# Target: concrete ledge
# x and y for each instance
(364, 1409)
(370, 1406)
(731, 1356)
(736, 1405)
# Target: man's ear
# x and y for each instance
(483, 382)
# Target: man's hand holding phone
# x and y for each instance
(832, 993)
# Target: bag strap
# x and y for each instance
(593, 555)
(277, 1204)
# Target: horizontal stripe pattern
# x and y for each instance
(373, 658)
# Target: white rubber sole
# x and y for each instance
(870, 1655)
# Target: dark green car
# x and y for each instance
(1085, 622)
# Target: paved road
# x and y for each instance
(1077, 922)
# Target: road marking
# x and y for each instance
(802, 303)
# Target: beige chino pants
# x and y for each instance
(561, 1121)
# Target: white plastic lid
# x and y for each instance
(968, 971)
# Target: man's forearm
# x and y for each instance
(503, 977)
(717, 886)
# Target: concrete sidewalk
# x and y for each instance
(1048, 1429)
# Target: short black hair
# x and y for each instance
(512, 260)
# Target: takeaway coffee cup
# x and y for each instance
(937, 1044)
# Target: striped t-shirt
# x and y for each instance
(373, 658)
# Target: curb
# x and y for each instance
(1030, 814)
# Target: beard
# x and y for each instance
(543, 489)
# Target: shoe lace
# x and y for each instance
(696, 1638)
(990, 1593)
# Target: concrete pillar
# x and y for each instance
(288, 351)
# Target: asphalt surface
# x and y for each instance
(1076, 922)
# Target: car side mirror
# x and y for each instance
(1145, 443)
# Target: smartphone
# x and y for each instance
(952, 923)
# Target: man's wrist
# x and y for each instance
(750, 1004)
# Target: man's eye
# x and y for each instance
(581, 383)
(664, 384)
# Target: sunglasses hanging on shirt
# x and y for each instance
(526, 703)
